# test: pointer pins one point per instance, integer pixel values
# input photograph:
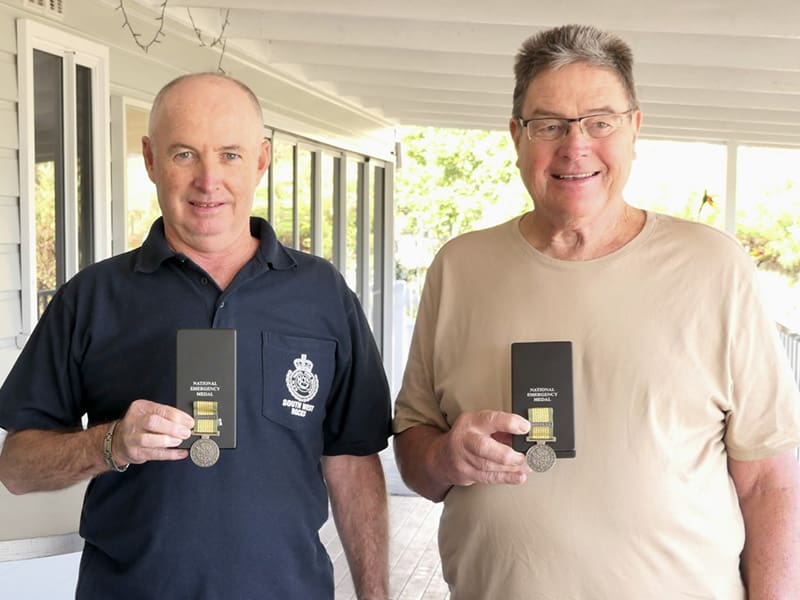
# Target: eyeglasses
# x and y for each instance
(550, 129)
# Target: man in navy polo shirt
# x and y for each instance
(155, 524)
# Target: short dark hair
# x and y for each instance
(566, 45)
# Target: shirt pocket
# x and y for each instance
(298, 372)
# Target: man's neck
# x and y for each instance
(222, 264)
(580, 240)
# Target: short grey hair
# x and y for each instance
(570, 44)
(163, 92)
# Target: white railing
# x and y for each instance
(791, 341)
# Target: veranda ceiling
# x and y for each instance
(717, 70)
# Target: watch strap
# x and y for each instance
(108, 440)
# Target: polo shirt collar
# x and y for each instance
(271, 253)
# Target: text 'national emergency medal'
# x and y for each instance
(542, 393)
(206, 389)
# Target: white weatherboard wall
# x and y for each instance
(41, 524)
(10, 309)
(289, 106)
(51, 578)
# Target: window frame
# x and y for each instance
(73, 50)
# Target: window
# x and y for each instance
(695, 170)
(350, 265)
(305, 191)
(327, 204)
(768, 225)
(333, 204)
(377, 232)
(64, 186)
(141, 201)
(282, 168)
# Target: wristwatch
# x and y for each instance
(107, 441)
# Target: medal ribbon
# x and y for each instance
(541, 420)
(206, 417)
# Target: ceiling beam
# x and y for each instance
(725, 17)
(729, 99)
(748, 101)
(389, 58)
(717, 50)
(676, 116)
(342, 76)
(646, 74)
(718, 70)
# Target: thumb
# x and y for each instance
(520, 425)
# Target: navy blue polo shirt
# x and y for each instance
(248, 526)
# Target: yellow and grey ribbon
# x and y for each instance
(205, 451)
(540, 456)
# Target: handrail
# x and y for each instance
(791, 341)
(43, 298)
(39, 547)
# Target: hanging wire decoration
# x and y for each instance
(136, 36)
(220, 41)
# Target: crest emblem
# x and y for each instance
(301, 382)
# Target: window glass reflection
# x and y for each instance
(85, 174)
(283, 198)
(304, 187)
(49, 175)
(351, 220)
(142, 207)
(327, 203)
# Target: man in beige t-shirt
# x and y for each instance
(685, 483)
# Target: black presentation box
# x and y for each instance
(541, 377)
(206, 370)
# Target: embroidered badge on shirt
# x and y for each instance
(303, 385)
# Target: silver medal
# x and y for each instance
(540, 457)
(204, 452)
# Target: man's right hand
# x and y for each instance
(150, 431)
(477, 449)
(35, 460)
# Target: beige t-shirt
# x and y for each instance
(676, 367)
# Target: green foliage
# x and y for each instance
(769, 228)
(692, 207)
(455, 181)
(139, 221)
(45, 198)
(451, 182)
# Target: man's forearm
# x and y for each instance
(36, 461)
(769, 497)
(771, 557)
(414, 449)
(358, 499)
